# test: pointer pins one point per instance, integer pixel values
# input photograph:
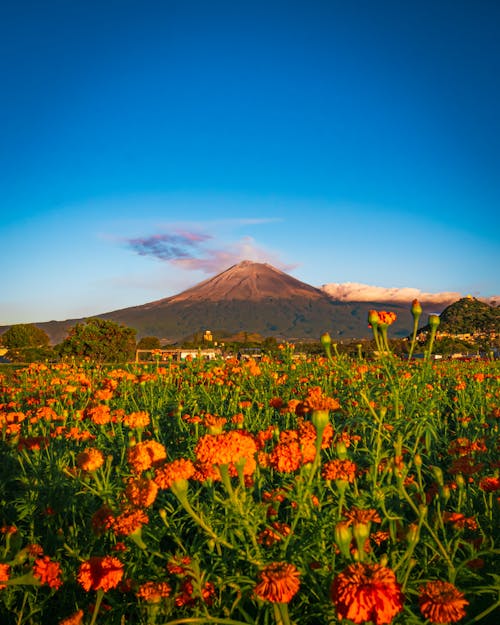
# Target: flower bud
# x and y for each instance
(434, 321)
(416, 309)
(326, 339)
(343, 538)
(320, 418)
(373, 318)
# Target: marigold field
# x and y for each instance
(320, 490)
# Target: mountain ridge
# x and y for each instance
(251, 297)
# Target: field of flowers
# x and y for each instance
(283, 491)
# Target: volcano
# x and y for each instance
(248, 297)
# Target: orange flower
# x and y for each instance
(100, 573)
(460, 521)
(231, 448)
(90, 459)
(129, 521)
(442, 602)
(141, 492)
(317, 400)
(286, 457)
(367, 592)
(48, 572)
(144, 455)
(279, 582)
(489, 484)
(167, 474)
(137, 419)
(339, 470)
(100, 415)
(153, 592)
(360, 515)
(74, 619)
(4, 574)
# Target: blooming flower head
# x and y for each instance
(153, 592)
(367, 592)
(180, 469)
(442, 602)
(141, 492)
(129, 521)
(48, 572)
(339, 470)
(100, 573)
(74, 619)
(278, 582)
(90, 459)
(144, 455)
(4, 574)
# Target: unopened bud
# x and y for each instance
(434, 321)
(326, 339)
(416, 309)
(343, 538)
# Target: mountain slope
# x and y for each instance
(249, 297)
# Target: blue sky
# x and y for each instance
(147, 145)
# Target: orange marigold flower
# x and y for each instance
(48, 572)
(102, 520)
(442, 602)
(180, 469)
(274, 534)
(4, 574)
(367, 592)
(231, 448)
(489, 484)
(137, 419)
(100, 415)
(129, 521)
(339, 470)
(144, 455)
(90, 459)
(460, 521)
(153, 592)
(100, 573)
(360, 515)
(286, 457)
(278, 582)
(74, 619)
(317, 400)
(141, 491)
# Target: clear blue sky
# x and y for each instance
(147, 145)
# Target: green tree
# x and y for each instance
(26, 342)
(149, 342)
(24, 335)
(100, 340)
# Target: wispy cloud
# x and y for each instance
(357, 292)
(197, 251)
(168, 247)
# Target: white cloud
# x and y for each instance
(358, 292)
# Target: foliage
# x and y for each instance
(99, 340)
(24, 335)
(468, 316)
(149, 342)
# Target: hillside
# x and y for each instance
(469, 316)
(248, 297)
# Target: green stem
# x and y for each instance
(99, 598)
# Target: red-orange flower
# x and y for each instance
(100, 573)
(339, 470)
(367, 592)
(489, 484)
(144, 455)
(279, 582)
(442, 602)
(90, 459)
(129, 521)
(153, 592)
(141, 492)
(74, 619)
(180, 469)
(4, 574)
(48, 572)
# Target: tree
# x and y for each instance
(24, 335)
(100, 340)
(25, 342)
(149, 342)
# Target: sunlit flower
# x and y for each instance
(142, 456)
(48, 572)
(278, 582)
(339, 470)
(141, 492)
(180, 469)
(100, 573)
(90, 459)
(137, 419)
(100, 415)
(74, 619)
(129, 521)
(442, 602)
(489, 484)
(367, 592)
(153, 592)
(4, 574)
